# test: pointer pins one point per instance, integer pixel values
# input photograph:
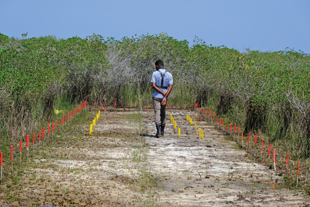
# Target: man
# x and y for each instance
(162, 83)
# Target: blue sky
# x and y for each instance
(264, 25)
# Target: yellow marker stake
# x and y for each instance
(200, 133)
(190, 120)
(179, 132)
(175, 125)
(195, 125)
(90, 129)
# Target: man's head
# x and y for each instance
(159, 64)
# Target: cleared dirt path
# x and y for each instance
(212, 171)
(123, 164)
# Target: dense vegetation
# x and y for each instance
(266, 92)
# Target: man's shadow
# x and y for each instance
(147, 135)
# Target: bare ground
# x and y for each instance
(123, 164)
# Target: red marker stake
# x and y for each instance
(249, 139)
(11, 159)
(55, 125)
(27, 146)
(39, 139)
(235, 128)
(223, 122)
(1, 159)
(269, 149)
(249, 136)
(52, 129)
(288, 155)
(297, 174)
(20, 153)
(274, 159)
(242, 139)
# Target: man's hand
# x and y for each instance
(164, 101)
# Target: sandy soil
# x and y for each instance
(211, 171)
(123, 164)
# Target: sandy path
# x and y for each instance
(212, 171)
(123, 164)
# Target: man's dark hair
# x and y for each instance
(159, 62)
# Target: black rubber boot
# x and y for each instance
(162, 130)
(158, 133)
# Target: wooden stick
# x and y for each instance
(297, 181)
(27, 155)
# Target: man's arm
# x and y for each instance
(167, 94)
(168, 91)
(157, 89)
